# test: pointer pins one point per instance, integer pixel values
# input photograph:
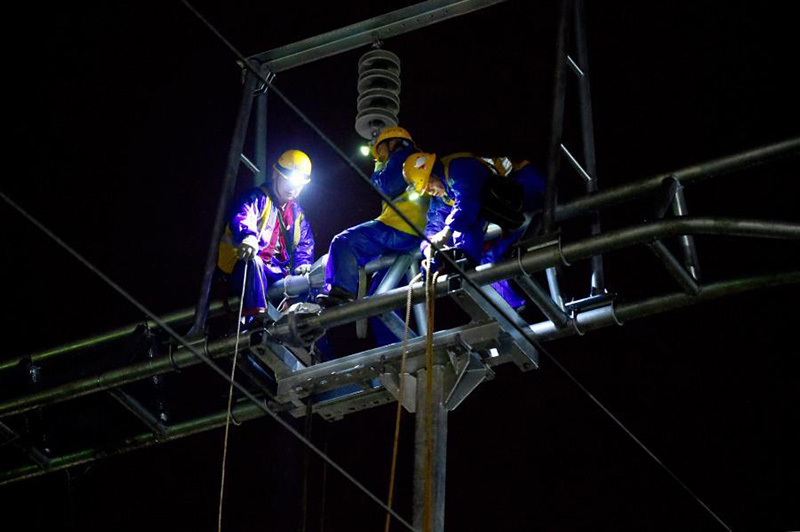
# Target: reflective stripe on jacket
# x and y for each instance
(255, 214)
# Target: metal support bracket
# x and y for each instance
(469, 371)
(477, 307)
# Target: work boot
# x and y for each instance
(336, 296)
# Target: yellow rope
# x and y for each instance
(230, 399)
(401, 387)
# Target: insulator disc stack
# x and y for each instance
(378, 92)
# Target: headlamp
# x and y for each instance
(296, 178)
(413, 195)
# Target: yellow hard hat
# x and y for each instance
(387, 133)
(417, 170)
(295, 166)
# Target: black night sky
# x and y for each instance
(121, 118)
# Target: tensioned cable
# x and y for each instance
(230, 396)
(202, 356)
(526, 334)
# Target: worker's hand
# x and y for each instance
(248, 248)
(441, 238)
(302, 269)
(428, 251)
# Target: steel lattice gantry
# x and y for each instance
(277, 363)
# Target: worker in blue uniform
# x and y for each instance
(268, 228)
(388, 233)
(456, 215)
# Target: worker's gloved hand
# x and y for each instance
(302, 269)
(441, 238)
(428, 251)
(248, 248)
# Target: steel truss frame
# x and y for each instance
(281, 372)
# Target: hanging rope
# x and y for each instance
(230, 397)
(401, 387)
(430, 302)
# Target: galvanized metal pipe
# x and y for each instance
(543, 258)
(542, 301)
(531, 262)
(225, 196)
(174, 319)
(598, 282)
(181, 358)
(674, 267)
(33, 454)
(692, 174)
(135, 407)
(544, 331)
(687, 241)
(395, 274)
(244, 412)
(438, 458)
(557, 117)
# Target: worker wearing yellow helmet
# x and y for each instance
(268, 228)
(388, 233)
(468, 192)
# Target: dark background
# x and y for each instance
(120, 121)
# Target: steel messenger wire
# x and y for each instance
(451, 263)
(230, 395)
(200, 355)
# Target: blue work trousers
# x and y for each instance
(259, 278)
(359, 245)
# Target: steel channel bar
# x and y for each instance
(225, 196)
(674, 267)
(362, 366)
(335, 373)
(244, 412)
(94, 341)
(543, 258)
(625, 193)
(367, 32)
(181, 358)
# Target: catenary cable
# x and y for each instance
(526, 334)
(199, 354)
